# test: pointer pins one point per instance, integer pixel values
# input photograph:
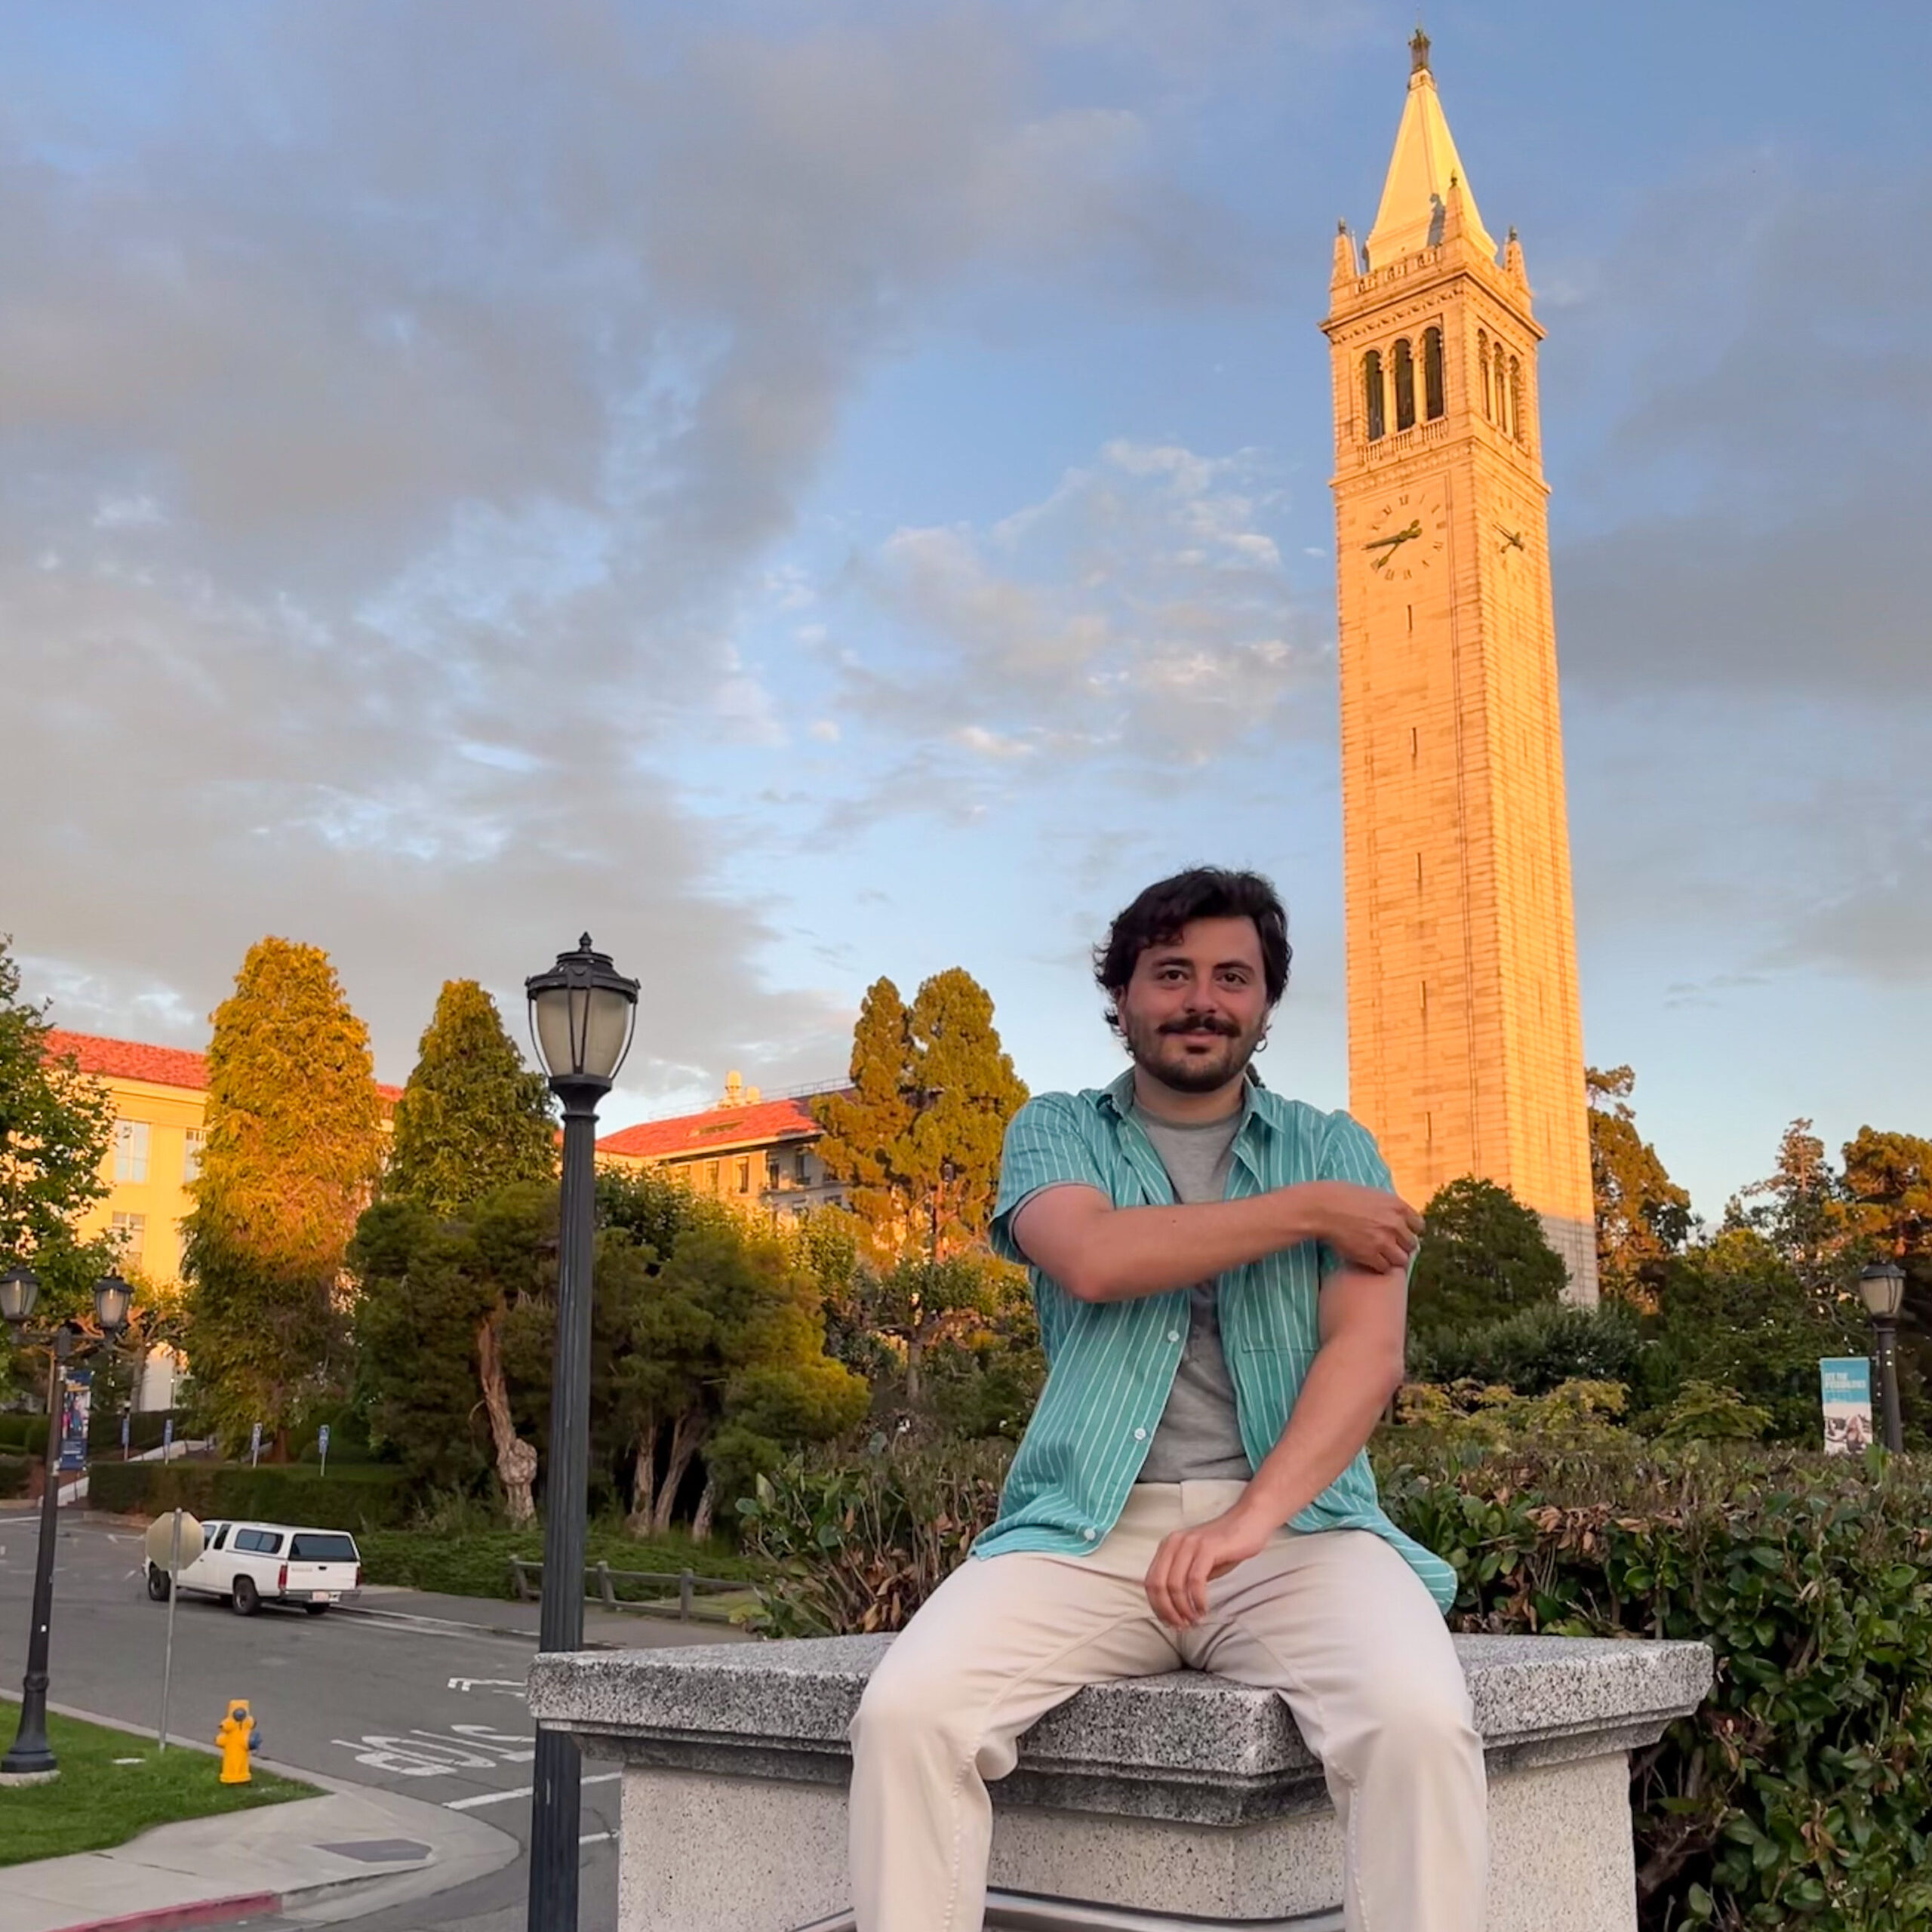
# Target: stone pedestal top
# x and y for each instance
(1183, 1745)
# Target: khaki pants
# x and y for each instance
(1336, 1622)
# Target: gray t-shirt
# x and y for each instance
(1198, 1439)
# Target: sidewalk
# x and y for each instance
(247, 1864)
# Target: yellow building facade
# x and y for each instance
(1464, 1030)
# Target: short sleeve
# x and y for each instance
(1044, 1148)
(1348, 1152)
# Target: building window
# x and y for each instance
(799, 1167)
(196, 1140)
(130, 1150)
(712, 1184)
(1516, 399)
(132, 1230)
(1482, 363)
(744, 1176)
(1502, 395)
(1371, 394)
(771, 1172)
(1405, 385)
(1433, 403)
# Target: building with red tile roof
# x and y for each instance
(755, 1153)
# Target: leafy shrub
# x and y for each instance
(16, 1471)
(476, 1562)
(357, 1497)
(1470, 1416)
(1702, 1412)
(1536, 1350)
(146, 1429)
(25, 1434)
(1798, 1797)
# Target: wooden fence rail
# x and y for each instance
(601, 1582)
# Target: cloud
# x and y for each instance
(392, 420)
(1140, 614)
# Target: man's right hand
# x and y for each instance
(1367, 1227)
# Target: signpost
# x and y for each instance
(322, 1443)
(167, 1436)
(127, 1420)
(173, 1542)
(1846, 1381)
(254, 1445)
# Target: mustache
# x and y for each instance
(1203, 1023)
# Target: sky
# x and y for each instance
(808, 494)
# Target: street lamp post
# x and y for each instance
(1882, 1284)
(32, 1753)
(582, 1012)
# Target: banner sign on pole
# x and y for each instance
(76, 1400)
(1847, 1382)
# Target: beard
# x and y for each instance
(1181, 1056)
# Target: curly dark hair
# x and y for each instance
(1157, 917)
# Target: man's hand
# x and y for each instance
(1189, 1560)
(1368, 1228)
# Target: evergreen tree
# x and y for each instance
(1484, 1256)
(916, 1142)
(56, 1125)
(472, 1118)
(1643, 1217)
(292, 1148)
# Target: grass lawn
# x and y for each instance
(97, 1802)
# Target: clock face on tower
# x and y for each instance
(1408, 532)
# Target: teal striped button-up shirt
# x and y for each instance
(1111, 1364)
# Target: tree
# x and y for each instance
(472, 1118)
(1643, 1217)
(916, 1140)
(293, 1149)
(1800, 1210)
(1484, 1256)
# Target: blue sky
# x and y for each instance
(812, 493)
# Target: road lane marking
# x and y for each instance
(597, 1838)
(521, 1791)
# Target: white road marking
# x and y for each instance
(512, 1684)
(597, 1838)
(521, 1791)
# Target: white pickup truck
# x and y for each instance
(251, 1564)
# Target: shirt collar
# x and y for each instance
(1117, 1094)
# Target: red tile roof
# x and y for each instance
(133, 1060)
(759, 1125)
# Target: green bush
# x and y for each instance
(477, 1563)
(358, 1497)
(15, 1473)
(1798, 1797)
(24, 1433)
(146, 1429)
(1536, 1350)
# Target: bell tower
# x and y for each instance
(1465, 1050)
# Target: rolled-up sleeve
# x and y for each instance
(1349, 1153)
(1045, 1147)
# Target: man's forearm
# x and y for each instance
(1130, 1252)
(1348, 1385)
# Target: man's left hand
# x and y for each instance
(1189, 1560)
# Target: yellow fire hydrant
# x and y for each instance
(236, 1737)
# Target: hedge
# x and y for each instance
(1799, 1796)
(357, 1498)
(24, 1434)
(477, 1563)
(16, 1472)
(146, 1429)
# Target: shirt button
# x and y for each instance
(1088, 1533)
(1141, 1435)
(1173, 1334)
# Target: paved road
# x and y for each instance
(433, 1712)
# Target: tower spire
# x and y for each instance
(1423, 163)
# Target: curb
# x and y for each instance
(194, 1912)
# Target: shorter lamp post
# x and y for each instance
(582, 1012)
(20, 1289)
(1882, 1283)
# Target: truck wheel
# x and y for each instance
(157, 1582)
(247, 1599)
(314, 1609)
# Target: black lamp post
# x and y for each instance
(20, 1289)
(582, 1012)
(1882, 1283)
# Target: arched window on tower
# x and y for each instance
(1501, 394)
(1405, 385)
(1433, 403)
(1482, 362)
(1372, 406)
(1516, 399)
